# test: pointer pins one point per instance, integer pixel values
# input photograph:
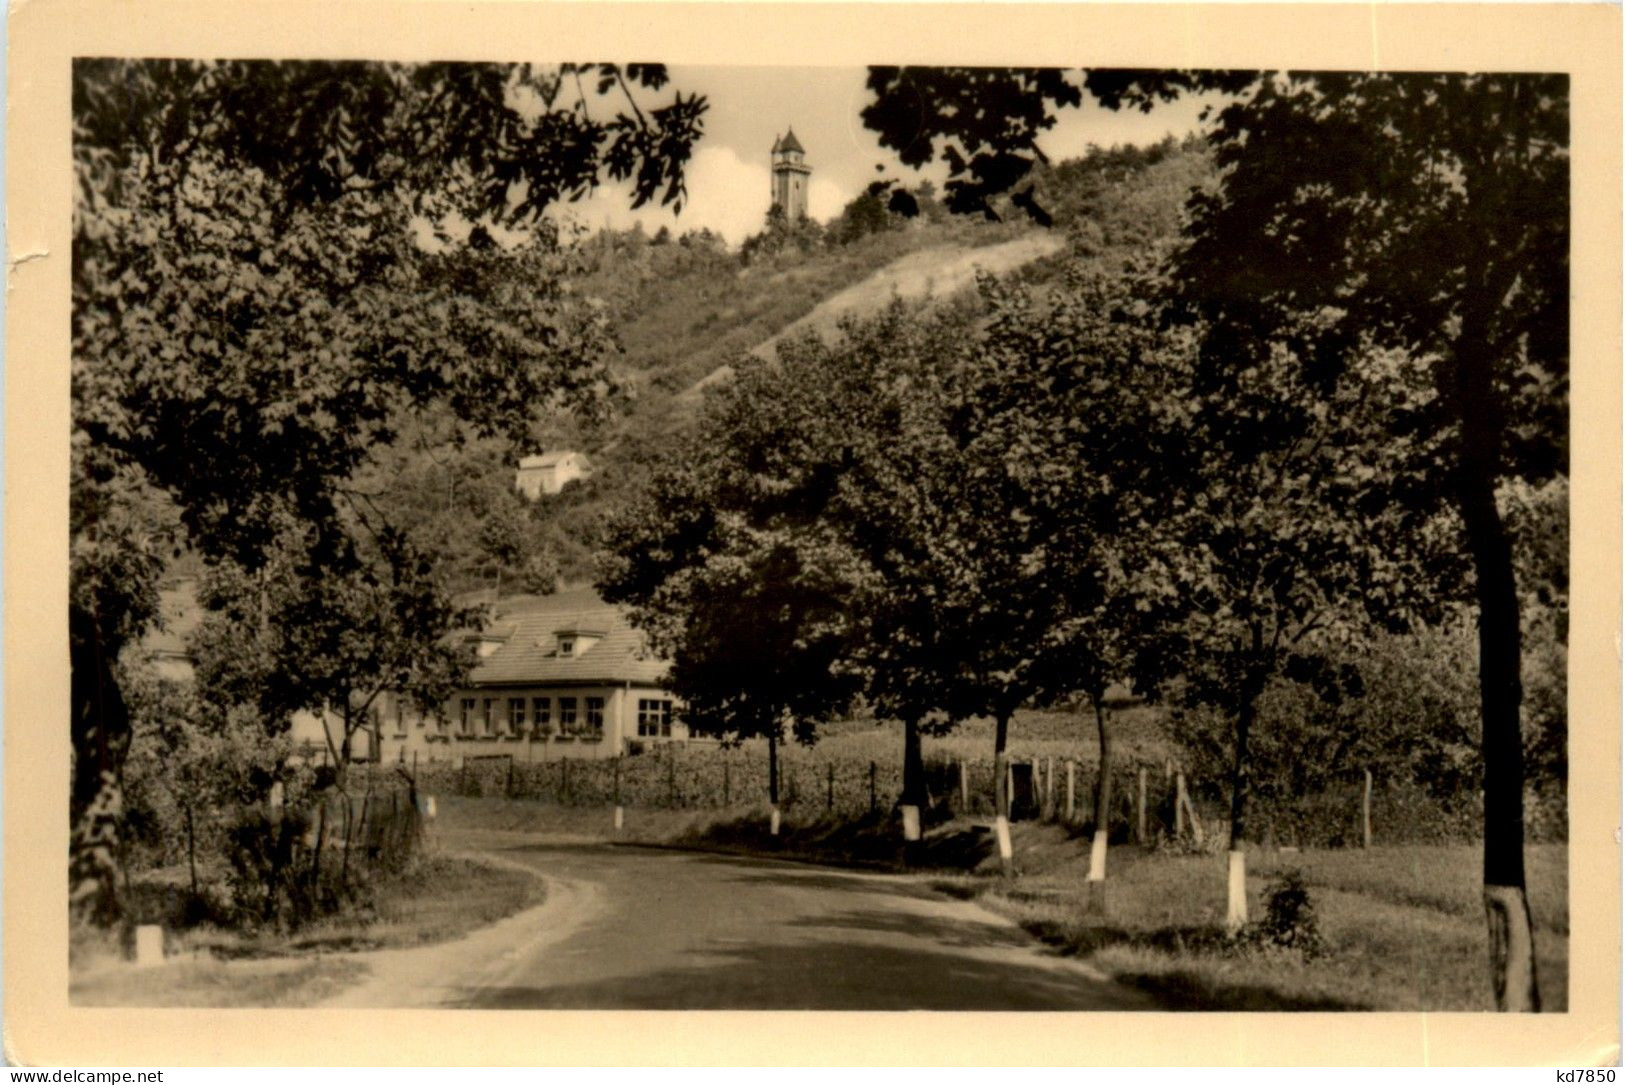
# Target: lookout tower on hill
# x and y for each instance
(790, 173)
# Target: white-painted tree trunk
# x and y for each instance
(620, 818)
(1236, 913)
(1096, 902)
(1001, 829)
(1097, 857)
(1512, 949)
(773, 822)
(911, 823)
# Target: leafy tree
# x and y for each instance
(821, 484)
(733, 583)
(198, 762)
(885, 476)
(328, 627)
(866, 214)
(1065, 404)
(1285, 538)
(781, 234)
(1422, 212)
(255, 299)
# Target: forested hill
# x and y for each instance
(683, 308)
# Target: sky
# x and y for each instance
(728, 176)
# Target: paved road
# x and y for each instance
(642, 928)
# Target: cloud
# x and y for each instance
(825, 199)
(726, 194)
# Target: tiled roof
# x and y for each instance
(547, 459)
(529, 656)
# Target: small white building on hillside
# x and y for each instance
(548, 472)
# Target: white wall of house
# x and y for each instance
(534, 478)
(444, 737)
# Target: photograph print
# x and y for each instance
(625, 536)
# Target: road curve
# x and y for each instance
(639, 928)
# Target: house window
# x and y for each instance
(490, 716)
(516, 715)
(567, 646)
(595, 716)
(467, 726)
(567, 715)
(654, 718)
(540, 716)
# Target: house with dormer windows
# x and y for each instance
(557, 676)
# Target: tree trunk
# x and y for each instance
(773, 780)
(1240, 773)
(1001, 793)
(913, 796)
(1511, 936)
(191, 851)
(1236, 908)
(1103, 809)
(101, 739)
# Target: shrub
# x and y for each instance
(1289, 921)
(269, 882)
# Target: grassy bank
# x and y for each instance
(435, 899)
(1403, 926)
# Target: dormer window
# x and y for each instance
(574, 641)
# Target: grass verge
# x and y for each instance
(1402, 926)
(435, 899)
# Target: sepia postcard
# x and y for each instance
(911, 534)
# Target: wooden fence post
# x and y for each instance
(316, 852)
(1071, 790)
(1179, 806)
(1010, 782)
(964, 787)
(1183, 807)
(1365, 809)
(361, 829)
(1140, 810)
(1049, 786)
(344, 863)
(620, 811)
(508, 789)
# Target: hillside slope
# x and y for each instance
(684, 310)
(937, 273)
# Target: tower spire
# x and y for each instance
(790, 175)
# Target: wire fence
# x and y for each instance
(1149, 803)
